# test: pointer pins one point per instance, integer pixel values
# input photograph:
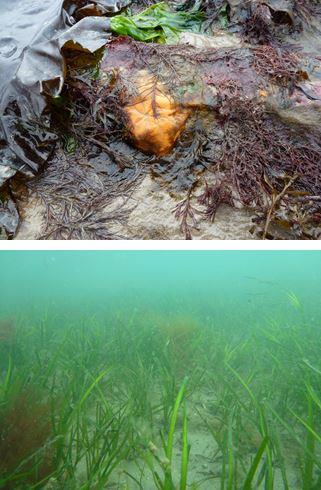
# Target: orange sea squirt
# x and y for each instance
(155, 120)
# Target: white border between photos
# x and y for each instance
(160, 245)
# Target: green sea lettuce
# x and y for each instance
(157, 23)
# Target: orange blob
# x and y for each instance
(155, 120)
(263, 93)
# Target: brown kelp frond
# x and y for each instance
(25, 433)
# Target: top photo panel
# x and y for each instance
(173, 120)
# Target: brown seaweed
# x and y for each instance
(252, 127)
(25, 433)
(79, 200)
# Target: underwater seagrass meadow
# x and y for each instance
(160, 370)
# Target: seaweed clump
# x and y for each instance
(25, 434)
(270, 163)
(268, 22)
(78, 196)
(243, 130)
(120, 98)
(8, 344)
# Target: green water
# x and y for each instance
(94, 281)
(160, 370)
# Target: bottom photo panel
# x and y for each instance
(160, 370)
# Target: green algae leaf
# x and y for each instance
(223, 17)
(255, 464)
(70, 144)
(185, 454)
(157, 23)
(294, 300)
